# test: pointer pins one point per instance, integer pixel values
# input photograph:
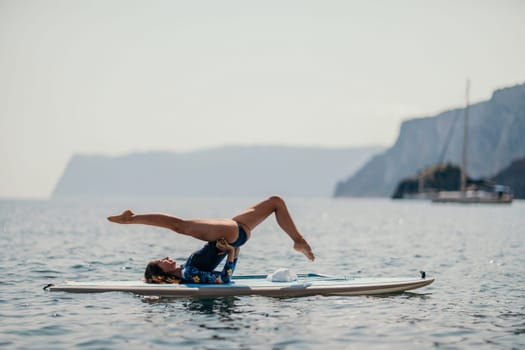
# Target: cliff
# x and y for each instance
(226, 171)
(496, 129)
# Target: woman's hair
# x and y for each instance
(154, 274)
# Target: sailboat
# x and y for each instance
(473, 193)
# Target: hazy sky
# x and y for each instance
(114, 77)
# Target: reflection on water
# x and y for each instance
(401, 295)
(223, 306)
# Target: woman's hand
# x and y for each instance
(223, 245)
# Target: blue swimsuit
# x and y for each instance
(199, 268)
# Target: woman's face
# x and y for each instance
(167, 265)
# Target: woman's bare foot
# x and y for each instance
(304, 248)
(124, 218)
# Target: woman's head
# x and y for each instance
(162, 271)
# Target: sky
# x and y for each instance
(116, 77)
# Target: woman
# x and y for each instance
(166, 270)
(224, 237)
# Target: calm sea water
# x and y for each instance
(476, 253)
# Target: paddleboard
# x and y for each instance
(306, 284)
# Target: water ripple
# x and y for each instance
(475, 253)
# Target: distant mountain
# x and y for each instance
(496, 138)
(225, 171)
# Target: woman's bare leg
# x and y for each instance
(206, 230)
(253, 216)
(212, 230)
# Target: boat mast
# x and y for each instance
(465, 143)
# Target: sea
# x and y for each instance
(476, 253)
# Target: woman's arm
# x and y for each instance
(215, 277)
(193, 274)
